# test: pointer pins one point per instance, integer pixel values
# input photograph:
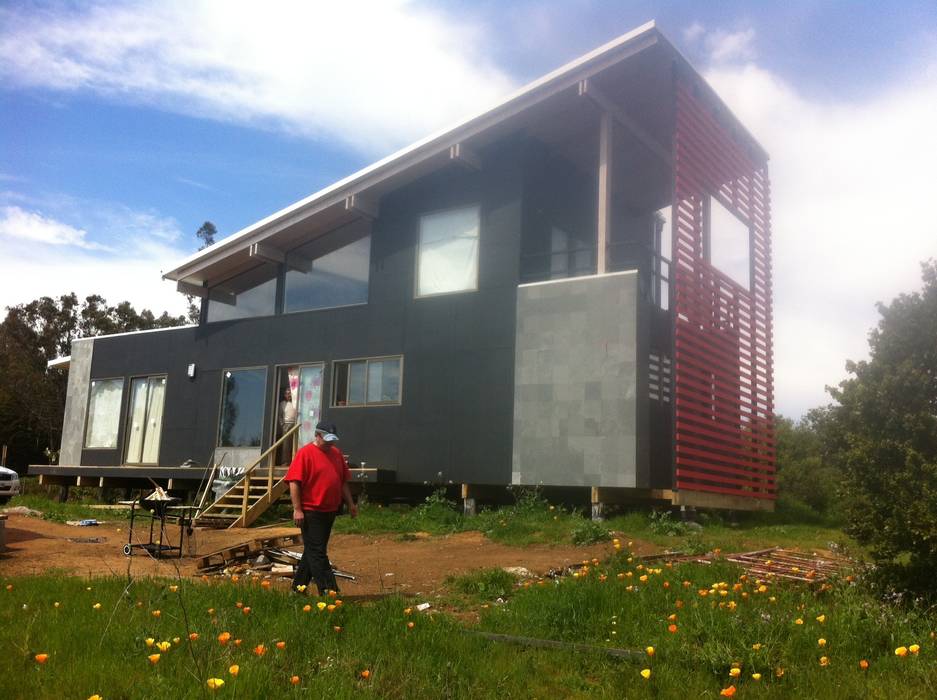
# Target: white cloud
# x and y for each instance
(31, 226)
(371, 74)
(692, 33)
(731, 46)
(852, 189)
(45, 256)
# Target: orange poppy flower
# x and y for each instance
(672, 629)
(41, 658)
(727, 692)
(224, 638)
(234, 669)
(193, 636)
(366, 674)
(154, 658)
(260, 650)
(294, 680)
(863, 664)
(281, 645)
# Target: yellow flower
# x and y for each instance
(779, 672)
(798, 621)
(650, 651)
(901, 651)
(410, 625)
(824, 661)
(96, 606)
(56, 604)
(156, 613)
(234, 669)
(821, 642)
(214, 683)
(163, 646)
(173, 589)
(756, 676)
(646, 673)
(149, 641)
(756, 647)
(301, 589)
(914, 648)
(735, 672)
(176, 640)
(95, 697)
(153, 658)
(321, 605)
(821, 619)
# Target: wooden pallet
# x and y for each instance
(245, 550)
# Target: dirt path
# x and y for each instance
(381, 562)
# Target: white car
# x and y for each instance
(9, 484)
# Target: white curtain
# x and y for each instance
(104, 413)
(154, 420)
(448, 251)
(136, 426)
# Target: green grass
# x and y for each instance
(70, 510)
(104, 650)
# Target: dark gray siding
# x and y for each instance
(457, 407)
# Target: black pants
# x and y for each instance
(315, 563)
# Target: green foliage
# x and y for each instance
(883, 436)
(487, 583)
(32, 399)
(808, 484)
(590, 532)
(661, 522)
(104, 650)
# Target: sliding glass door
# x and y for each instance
(145, 421)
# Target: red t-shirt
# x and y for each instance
(320, 474)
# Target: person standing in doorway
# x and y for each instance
(318, 479)
(286, 420)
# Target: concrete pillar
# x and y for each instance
(468, 507)
(598, 512)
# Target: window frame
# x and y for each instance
(277, 280)
(367, 360)
(84, 438)
(286, 270)
(707, 239)
(221, 395)
(128, 412)
(419, 251)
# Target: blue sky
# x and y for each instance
(125, 125)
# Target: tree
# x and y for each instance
(32, 398)
(206, 234)
(883, 436)
(808, 484)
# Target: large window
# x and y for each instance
(370, 382)
(729, 243)
(338, 278)
(252, 293)
(242, 407)
(448, 252)
(104, 413)
(145, 422)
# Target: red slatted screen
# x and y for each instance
(724, 433)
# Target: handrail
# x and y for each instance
(247, 472)
(211, 479)
(292, 432)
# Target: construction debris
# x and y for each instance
(773, 562)
(264, 554)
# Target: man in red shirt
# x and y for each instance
(318, 479)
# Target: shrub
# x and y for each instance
(590, 532)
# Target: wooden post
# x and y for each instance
(598, 507)
(604, 214)
(3, 457)
(246, 486)
(468, 502)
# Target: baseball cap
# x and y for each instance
(328, 430)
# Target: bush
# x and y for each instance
(488, 583)
(661, 523)
(589, 532)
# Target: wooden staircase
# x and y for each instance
(261, 486)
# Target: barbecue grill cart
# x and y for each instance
(159, 506)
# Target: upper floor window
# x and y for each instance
(448, 252)
(337, 278)
(104, 413)
(251, 293)
(729, 244)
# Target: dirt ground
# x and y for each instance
(382, 563)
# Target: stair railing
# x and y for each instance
(268, 453)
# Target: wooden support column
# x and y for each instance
(604, 214)
(468, 501)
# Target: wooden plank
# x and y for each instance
(704, 499)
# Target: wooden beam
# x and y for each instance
(191, 289)
(622, 495)
(604, 214)
(361, 205)
(704, 499)
(463, 155)
(588, 88)
(267, 253)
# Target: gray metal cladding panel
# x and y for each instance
(76, 402)
(576, 381)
